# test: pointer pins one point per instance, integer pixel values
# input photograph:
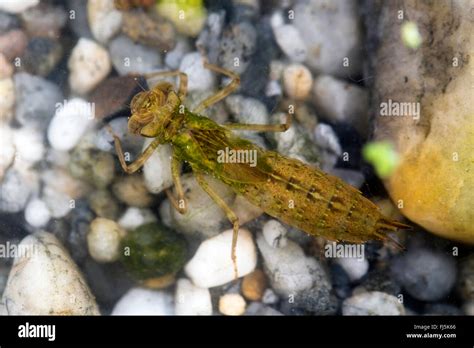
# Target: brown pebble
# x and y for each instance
(13, 44)
(6, 69)
(131, 190)
(142, 28)
(254, 285)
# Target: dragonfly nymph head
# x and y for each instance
(153, 112)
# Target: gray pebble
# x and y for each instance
(442, 309)
(352, 177)
(80, 24)
(209, 38)
(372, 303)
(427, 275)
(331, 32)
(257, 308)
(238, 44)
(14, 192)
(129, 57)
(36, 100)
(247, 110)
(465, 285)
(8, 22)
(173, 58)
(41, 55)
(199, 77)
(328, 143)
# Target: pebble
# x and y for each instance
(468, 308)
(8, 22)
(134, 217)
(354, 178)
(104, 19)
(129, 57)
(149, 30)
(192, 300)
(289, 39)
(269, 297)
(296, 142)
(61, 190)
(173, 57)
(70, 122)
(132, 143)
(7, 148)
(427, 275)
(80, 23)
(14, 191)
(108, 282)
(318, 300)
(331, 33)
(289, 270)
(44, 20)
(103, 204)
(13, 44)
(88, 65)
(199, 77)
(29, 145)
(328, 144)
(91, 165)
(138, 301)
(210, 37)
(354, 267)
(36, 100)
(238, 44)
(45, 281)
(152, 251)
(104, 239)
(4, 270)
(6, 69)
(465, 284)
(341, 101)
(188, 18)
(17, 6)
(37, 213)
(381, 280)
(297, 81)
(256, 308)
(442, 309)
(245, 210)
(247, 110)
(131, 190)
(212, 265)
(217, 112)
(254, 285)
(41, 55)
(7, 102)
(275, 234)
(157, 169)
(232, 304)
(204, 217)
(372, 303)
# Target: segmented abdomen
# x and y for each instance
(315, 202)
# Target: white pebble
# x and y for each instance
(157, 169)
(138, 301)
(275, 234)
(199, 78)
(7, 148)
(37, 213)
(204, 217)
(29, 145)
(134, 217)
(212, 264)
(104, 19)
(89, 64)
(69, 124)
(103, 240)
(372, 303)
(341, 101)
(174, 57)
(297, 81)
(192, 300)
(354, 267)
(290, 41)
(17, 6)
(7, 101)
(45, 281)
(289, 269)
(232, 304)
(269, 297)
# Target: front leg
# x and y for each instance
(179, 204)
(230, 215)
(140, 161)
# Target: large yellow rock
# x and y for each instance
(434, 184)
